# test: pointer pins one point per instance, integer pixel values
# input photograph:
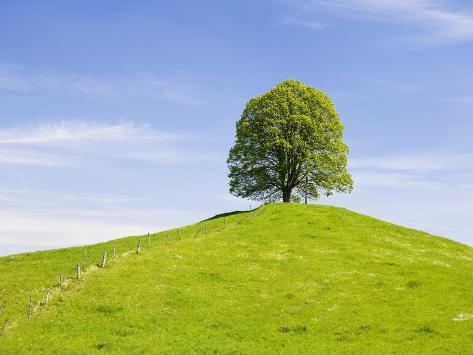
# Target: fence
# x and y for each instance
(81, 268)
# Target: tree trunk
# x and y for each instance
(286, 195)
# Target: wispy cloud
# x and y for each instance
(437, 21)
(81, 132)
(462, 99)
(295, 22)
(39, 218)
(436, 170)
(174, 157)
(383, 179)
(75, 143)
(30, 158)
(42, 198)
(37, 231)
(20, 79)
(409, 163)
(420, 162)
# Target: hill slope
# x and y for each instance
(287, 279)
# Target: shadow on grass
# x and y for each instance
(225, 215)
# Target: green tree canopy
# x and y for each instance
(289, 144)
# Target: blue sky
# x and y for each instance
(116, 117)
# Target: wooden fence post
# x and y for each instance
(46, 297)
(104, 258)
(78, 271)
(138, 247)
(4, 326)
(84, 260)
(60, 279)
(149, 241)
(179, 233)
(30, 308)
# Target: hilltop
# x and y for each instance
(284, 278)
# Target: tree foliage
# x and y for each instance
(289, 144)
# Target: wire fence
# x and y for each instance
(83, 266)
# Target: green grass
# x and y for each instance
(288, 279)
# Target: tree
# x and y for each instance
(289, 145)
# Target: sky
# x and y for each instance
(116, 117)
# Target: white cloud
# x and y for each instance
(380, 5)
(21, 79)
(436, 172)
(83, 143)
(42, 199)
(462, 99)
(391, 179)
(172, 157)
(40, 231)
(379, 179)
(438, 22)
(294, 22)
(41, 218)
(434, 161)
(81, 132)
(411, 163)
(13, 83)
(21, 157)
(423, 171)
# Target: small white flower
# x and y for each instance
(463, 316)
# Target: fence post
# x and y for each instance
(30, 308)
(4, 326)
(84, 260)
(149, 241)
(46, 297)
(179, 234)
(104, 258)
(114, 251)
(138, 247)
(205, 224)
(78, 271)
(60, 279)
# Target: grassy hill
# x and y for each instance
(281, 279)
